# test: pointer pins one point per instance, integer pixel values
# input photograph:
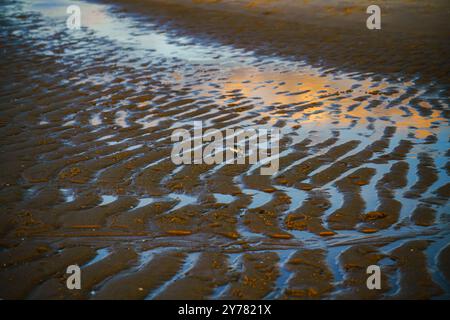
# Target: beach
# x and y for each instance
(87, 179)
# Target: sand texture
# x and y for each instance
(86, 175)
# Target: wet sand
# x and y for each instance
(86, 119)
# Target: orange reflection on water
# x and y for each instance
(310, 96)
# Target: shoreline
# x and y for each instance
(411, 43)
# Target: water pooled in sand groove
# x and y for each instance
(86, 150)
